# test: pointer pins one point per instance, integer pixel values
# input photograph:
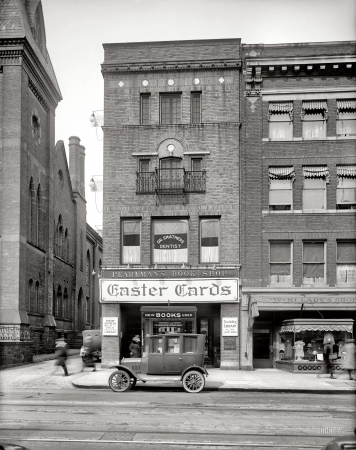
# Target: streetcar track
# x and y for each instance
(135, 405)
(177, 432)
(180, 443)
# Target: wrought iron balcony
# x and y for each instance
(170, 181)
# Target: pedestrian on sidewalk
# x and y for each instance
(349, 349)
(329, 366)
(62, 354)
(89, 360)
(135, 351)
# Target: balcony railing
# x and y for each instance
(170, 181)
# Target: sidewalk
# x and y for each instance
(259, 380)
(49, 356)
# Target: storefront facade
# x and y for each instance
(286, 317)
(150, 302)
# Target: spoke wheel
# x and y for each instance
(193, 381)
(119, 381)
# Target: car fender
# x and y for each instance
(130, 371)
(198, 368)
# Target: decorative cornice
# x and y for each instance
(22, 49)
(37, 94)
(171, 66)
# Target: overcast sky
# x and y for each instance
(76, 30)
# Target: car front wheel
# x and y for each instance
(120, 381)
(193, 381)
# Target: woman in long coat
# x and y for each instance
(349, 349)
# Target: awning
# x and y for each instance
(346, 105)
(298, 325)
(316, 172)
(346, 171)
(281, 173)
(315, 105)
(298, 328)
(280, 108)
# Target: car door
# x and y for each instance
(172, 356)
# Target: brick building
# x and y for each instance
(298, 205)
(47, 251)
(171, 189)
(222, 162)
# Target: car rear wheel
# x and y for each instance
(193, 381)
(120, 381)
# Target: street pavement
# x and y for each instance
(48, 375)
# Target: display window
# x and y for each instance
(309, 341)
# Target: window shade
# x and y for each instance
(346, 252)
(280, 108)
(280, 252)
(346, 105)
(309, 107)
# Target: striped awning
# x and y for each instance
(316, 172)
(315, 105)
(281, 173)
(346, 171)
(346, 105)
(280, 107)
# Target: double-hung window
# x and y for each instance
(170, 241)
(281, 188)
(314, 187)
(346, 187)
(314, 267)
(171, 108)
(346, 262)
(195, 106)
(280, 262)
(145, 109)
(280, 118)
(209, 240)
(314, 116)
(131, 241)
(346, 118)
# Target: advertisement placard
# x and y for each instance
(110, 326)
(160, 291)
(229, 326)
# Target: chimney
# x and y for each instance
(77, 165)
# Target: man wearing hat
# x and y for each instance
(349, 349)
(135, 351)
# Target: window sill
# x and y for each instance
(311, 211)
(317, 286)
(299, 139)
(281, 286)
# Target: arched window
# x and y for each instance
(59, 306)
(66, 239)
(32, 210)
(81, 250)
(54, 300)
(171, 173)
(30, 295)
(60, 238)
(38, 216)
(87, 270)
(37, 297)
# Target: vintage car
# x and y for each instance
(91, 344)
(166, 357)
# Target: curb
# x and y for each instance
(221, 388)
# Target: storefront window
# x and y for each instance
(308, 340)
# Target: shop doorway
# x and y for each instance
(262, 344)
(210, 326)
